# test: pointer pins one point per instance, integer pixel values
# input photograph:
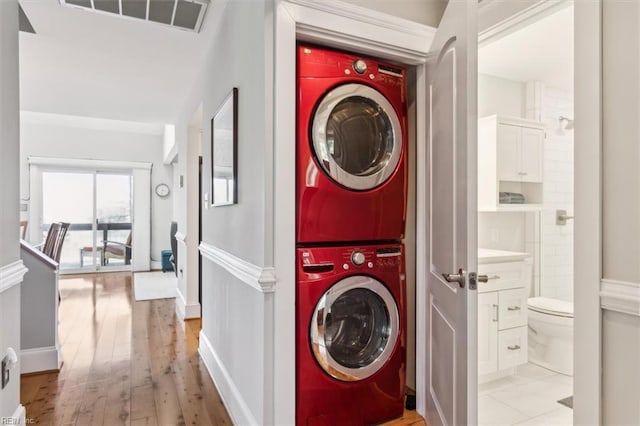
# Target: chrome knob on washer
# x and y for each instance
(357, 257)
(359, 66)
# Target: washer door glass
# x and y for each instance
(354, 328)
(357, 137)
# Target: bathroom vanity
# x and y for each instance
(502, 310)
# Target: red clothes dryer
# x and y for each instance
(351, 148)
(350, 336)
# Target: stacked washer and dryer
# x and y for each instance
(351, 202)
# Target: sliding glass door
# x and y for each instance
(99, 208)
(113, 215)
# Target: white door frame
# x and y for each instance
(587, 376)
(342, 25)
(587, 183)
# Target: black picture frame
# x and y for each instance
(224, 152)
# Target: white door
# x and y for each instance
(451, 341)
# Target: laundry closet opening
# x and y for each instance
(355, 242)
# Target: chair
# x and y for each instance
(88, 250)
(23, 229)
(118, 250)
(55, 238)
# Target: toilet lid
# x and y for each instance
(551, 306)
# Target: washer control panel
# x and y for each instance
(358, 258)
(317, 261)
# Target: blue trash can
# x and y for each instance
(166, 262)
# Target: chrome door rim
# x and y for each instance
(319, 136)
(318, 320)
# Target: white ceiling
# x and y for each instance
(542, 51)
(100, 65)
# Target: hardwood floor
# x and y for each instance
(127, 363)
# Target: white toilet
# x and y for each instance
(550, 323)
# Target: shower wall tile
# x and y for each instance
(556, 248)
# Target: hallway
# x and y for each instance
(125, 362)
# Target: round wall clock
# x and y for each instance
(162, 190)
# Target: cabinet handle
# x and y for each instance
(495, 313)
(514, 347)
(513, 308)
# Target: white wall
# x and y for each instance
(502, 231)
(556, 248)
(500, 96)
(9, 173)
(236, 316)
(621, 207)
(48, 135)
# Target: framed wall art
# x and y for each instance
(224, 152)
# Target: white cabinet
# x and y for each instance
(502, 311)
(519, 151)
(487, 332)
(510, 159)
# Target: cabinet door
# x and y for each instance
(513, 308)
(512, 347)
(532, 155)
(508, 151)
(487, 332)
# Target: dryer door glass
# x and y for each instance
(357, 137)
(354, 328)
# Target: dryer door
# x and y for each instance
(354, 328)
(357, 138)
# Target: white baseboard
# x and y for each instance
(231, 397)
(40, 359)
(186, 310)
(19, 417)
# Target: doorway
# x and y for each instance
(525, 227)
(98, 205)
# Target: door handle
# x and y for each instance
(456, 278)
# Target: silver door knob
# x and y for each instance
(455, 278)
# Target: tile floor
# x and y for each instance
(529, 397)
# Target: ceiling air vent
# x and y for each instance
(183, 14)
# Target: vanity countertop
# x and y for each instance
(495, 256)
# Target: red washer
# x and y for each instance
(351, 148)
(350, 336)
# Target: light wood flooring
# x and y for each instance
(127, 363)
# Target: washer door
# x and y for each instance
(357, 137)
(354, 328)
